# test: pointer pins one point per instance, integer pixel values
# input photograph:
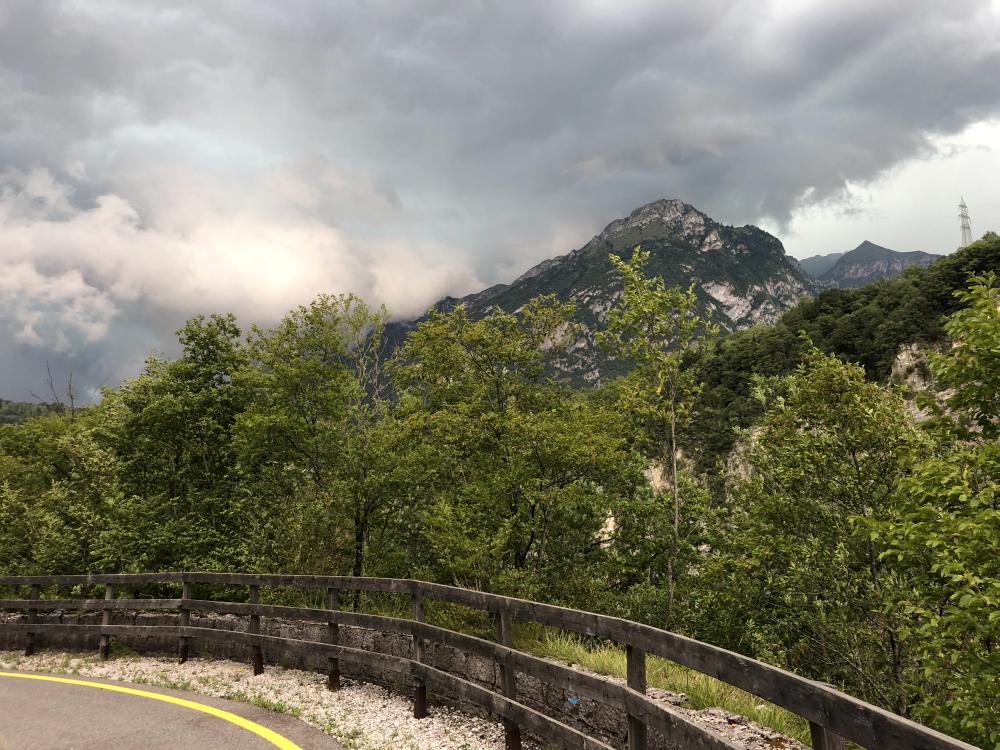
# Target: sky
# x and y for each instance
(160, 160)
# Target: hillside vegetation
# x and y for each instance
(867, 326)
(12, 412)
(849, 542)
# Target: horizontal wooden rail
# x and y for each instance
(831, 713)
(88, 604)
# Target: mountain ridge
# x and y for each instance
(742, 276)
(869, 262)
(817, 265)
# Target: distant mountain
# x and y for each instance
(741, 276)
(869, 262)
(817, 265)
(12, 412)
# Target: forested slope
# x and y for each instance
(868, 325)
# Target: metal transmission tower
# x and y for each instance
(963, 216)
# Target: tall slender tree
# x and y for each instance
(656, 328)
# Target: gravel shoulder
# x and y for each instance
(738, 729)
(361, 716)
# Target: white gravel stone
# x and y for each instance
(359, 715)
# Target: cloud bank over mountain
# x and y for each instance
(162, 160)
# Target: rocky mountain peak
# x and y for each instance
(667, 214)
(869, 251)
(741, 277)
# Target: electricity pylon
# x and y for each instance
(963, 216)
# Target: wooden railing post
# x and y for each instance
(105, 648)
(258, 652)
(508, 678)
(29, 637)
(185, 640)
(824, 739)
(333, 637)
(419, 684)
(636, 669)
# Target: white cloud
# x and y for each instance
(66, 273)
(51, 311)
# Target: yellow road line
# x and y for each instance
(271, 736)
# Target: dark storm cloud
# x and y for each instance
(412, 149)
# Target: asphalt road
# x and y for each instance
(47, 714)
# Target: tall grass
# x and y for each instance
(702, 691)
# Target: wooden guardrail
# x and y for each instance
(833, 716)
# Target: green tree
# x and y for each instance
(58, 488)
(640, 545)
(867, 325)
(656, 329)
(12, 412)
(311, 441)
(171, 432)
(945, 531)
(971, 367)
(515, 470)
(796, 577)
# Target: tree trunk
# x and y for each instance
(360, 530)
(675, 536)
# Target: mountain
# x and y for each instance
(869, 262)
(817, 265)
(12, 412)
(741, 275)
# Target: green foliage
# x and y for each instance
(727, 402)
(943, 538)
(641, 553)
(971, 367)
(945, 531)
(794, 570)
(13, 412)
(310, 441)
(868, 326)
(171, 431)
(843, 541)
(860, 549)
(57, 488)
(656, 329)
(516, 470)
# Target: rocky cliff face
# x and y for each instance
(741, 276)
(869, 262)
